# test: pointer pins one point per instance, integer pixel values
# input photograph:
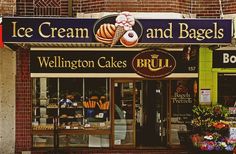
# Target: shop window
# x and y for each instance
(184, 95)
(71, 112)
(124, 114)
(227, 90)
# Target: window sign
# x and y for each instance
(205, 96)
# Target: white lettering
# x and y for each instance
(225, 57)
(229, 58)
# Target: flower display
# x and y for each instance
(209, 118)
(213, 142)
(220, 125)
(211, 132)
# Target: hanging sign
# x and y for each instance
(224, 59)
(152, 63)
(117, 29)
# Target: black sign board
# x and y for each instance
(189, 31)
(224, 59)
(98, 62)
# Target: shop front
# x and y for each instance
(224, 65)
(88, 90)
(116, 111)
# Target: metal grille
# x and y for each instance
(47, 7)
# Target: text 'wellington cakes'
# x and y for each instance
(105, 33)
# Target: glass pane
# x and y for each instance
(96, 103)
(83, 140)
(73, 105)
(84, 103)
(227, 89)
(43, 141)
(45, 107)
(71, 88)
(124, 124)
(184, 95)
(71, 110)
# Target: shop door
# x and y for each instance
(123, 114)
(151, 111)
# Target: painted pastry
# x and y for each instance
(124, 22)
(129, 39)
(105, 33)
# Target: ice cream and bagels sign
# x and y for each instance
(121, 30)
(117, 30)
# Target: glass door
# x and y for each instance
(152, 113)
(123, 113)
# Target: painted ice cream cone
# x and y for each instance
(124, 22)
(120, 31)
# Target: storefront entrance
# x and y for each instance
(142, 105)
(152, 132)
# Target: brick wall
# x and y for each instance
(229, 6)
(7, 7)
(42, 7)
(203, 8)
(206, 9)
(180, 6)
(91, 6)
(25, 8)
(23, 102)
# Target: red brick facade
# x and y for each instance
(229, 7)
(206, 9)
(23, 101)
(201, 8)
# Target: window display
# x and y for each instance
(74, 110)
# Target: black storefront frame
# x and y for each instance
(184, 77)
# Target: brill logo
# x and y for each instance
(154, 64)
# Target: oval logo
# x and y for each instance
(153, 63)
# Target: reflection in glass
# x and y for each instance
(124, 113)
(71, 104)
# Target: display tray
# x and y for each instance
(71, 117)
(42, 145)
(77, 145)
(42, 132)
(85, 131)
(72, 107)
